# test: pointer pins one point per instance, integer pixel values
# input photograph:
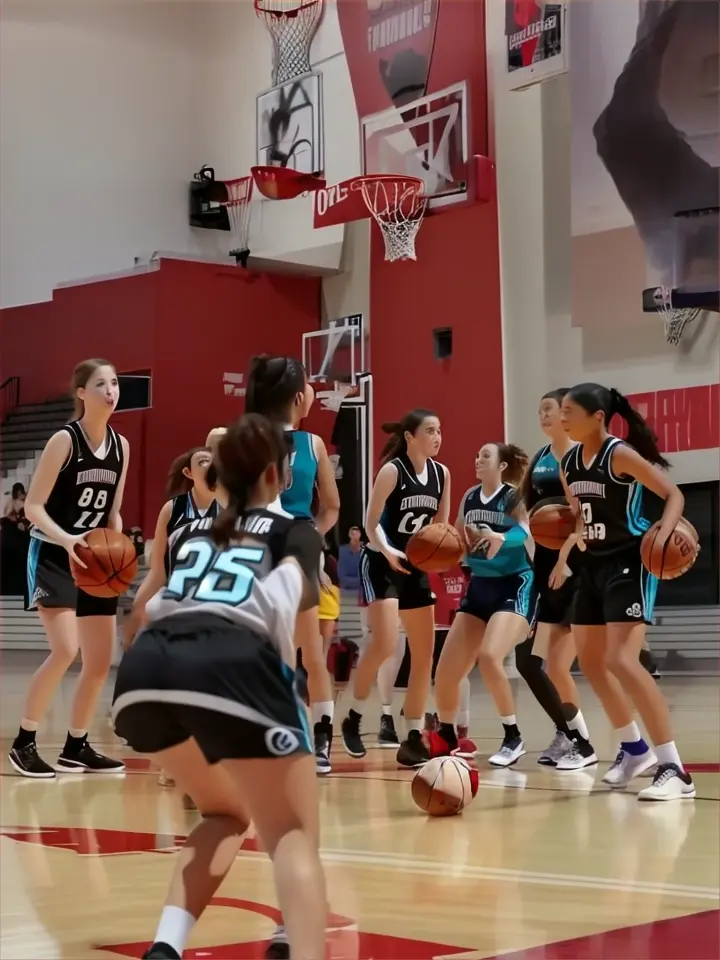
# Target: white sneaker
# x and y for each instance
(556, 751)
(627, 766)
(670, 783)
(508, 754)
(581, 755)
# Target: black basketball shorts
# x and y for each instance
(199, 675)
(486, 596)
(614, 588)
(379, 581)
(552, 606)
(50, 583)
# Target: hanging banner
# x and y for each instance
(536, 41)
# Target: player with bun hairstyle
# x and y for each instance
(208, 689)
(552, 639)
(77, 487)
(278, 388)
(603, 479)
(493, 614)
(411, 491)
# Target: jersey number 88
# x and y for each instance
(98, 508)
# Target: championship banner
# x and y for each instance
(536, 41)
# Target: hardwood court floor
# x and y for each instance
(541, 865)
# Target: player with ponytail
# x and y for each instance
(604, 477)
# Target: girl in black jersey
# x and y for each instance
(603, 477)
(208, 689)
(77, 486)
(552, 639)
(411, 490)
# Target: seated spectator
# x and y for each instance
(349, 561)
(15, 506)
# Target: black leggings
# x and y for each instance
(541, 686)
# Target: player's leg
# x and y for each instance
(419, 625)
(309, 639)
(458, 656)
(386, 677)
(503, 632)
(532, 670)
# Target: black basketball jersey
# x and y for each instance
(84, 491)
(611, 505)
(412, 504)
(544, 477)
(184, 510)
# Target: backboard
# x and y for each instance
(290, 125)
(695, 269)
(427, 138)
(336, 354)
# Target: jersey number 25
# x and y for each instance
(91, 518)
(200, 578)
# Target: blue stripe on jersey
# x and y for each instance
(637, 523)
(297, 499)
(32, 565)
(649, 588)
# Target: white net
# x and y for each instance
(674, 318)
(398, 207)
(292, 25)
(331, 395)
(239, 209)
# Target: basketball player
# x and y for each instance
(552, 639)
(411, 490)
(493, 614)
(208, 689)
(278, 387)
(77, 487)
(616, 594)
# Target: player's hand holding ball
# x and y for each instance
(71, 544)
(395, 559)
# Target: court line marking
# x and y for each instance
(474, 872)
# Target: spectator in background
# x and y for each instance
(349, 561)
(15, 507)
(14, 543)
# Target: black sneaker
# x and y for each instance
(323, 742)
(88, 759)
(352, 741)
(413, 752)
(27, 762)
(161, 951)
(278, 948)
(387, 737)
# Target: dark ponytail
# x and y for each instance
(177, 482)
(593, 397)
(250, 445)
(397, 444)
(272, 385)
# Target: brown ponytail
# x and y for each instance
(410, 423)
(516, 460)
(177, 481)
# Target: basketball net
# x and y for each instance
(674, 318)
(397, 205)
(292, 26)
(238, 207)
(331, 395)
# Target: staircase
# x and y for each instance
(23, 435)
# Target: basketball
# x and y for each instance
(678, 554)
(551, 524)
(435, 548)
(444, 786)
(111, 563)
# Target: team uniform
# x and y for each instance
(80, 501)
(185, 510)
(505, 583)
(215, 660)
(411, 505)
(614, 585)
(297, 497)
(551, 606)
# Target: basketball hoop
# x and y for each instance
(397, 205)
(282, 183)
(239, 193)
(331, 395)
(292, 25)
(674, 318)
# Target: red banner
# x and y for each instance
(687, 418)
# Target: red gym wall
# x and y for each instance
(187, 324)
(455, 281)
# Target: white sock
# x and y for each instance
(630, 733)
(578, 723)
(358, 705)
(387, 710)
(320, 710)
(667, 753)
(415, 725)
(174, 928)
(510, 721)
(463, 715)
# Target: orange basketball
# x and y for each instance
(551, 524)
(444, 786)
(435, 548)
(111, 563)
(676, 557)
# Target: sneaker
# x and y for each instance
(670, 783)
(161, 951)
(579, 756)
(27, 762)
(413, 752)
(350, 731)
(387, 736)
(323, 742)
(629, 765)
(278, 948)
(86, 759)
(431, 722)
(559, 748)
(438, 745)
(509, 753)
(466, 748)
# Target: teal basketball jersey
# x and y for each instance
(297, 498)
(478, 512)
